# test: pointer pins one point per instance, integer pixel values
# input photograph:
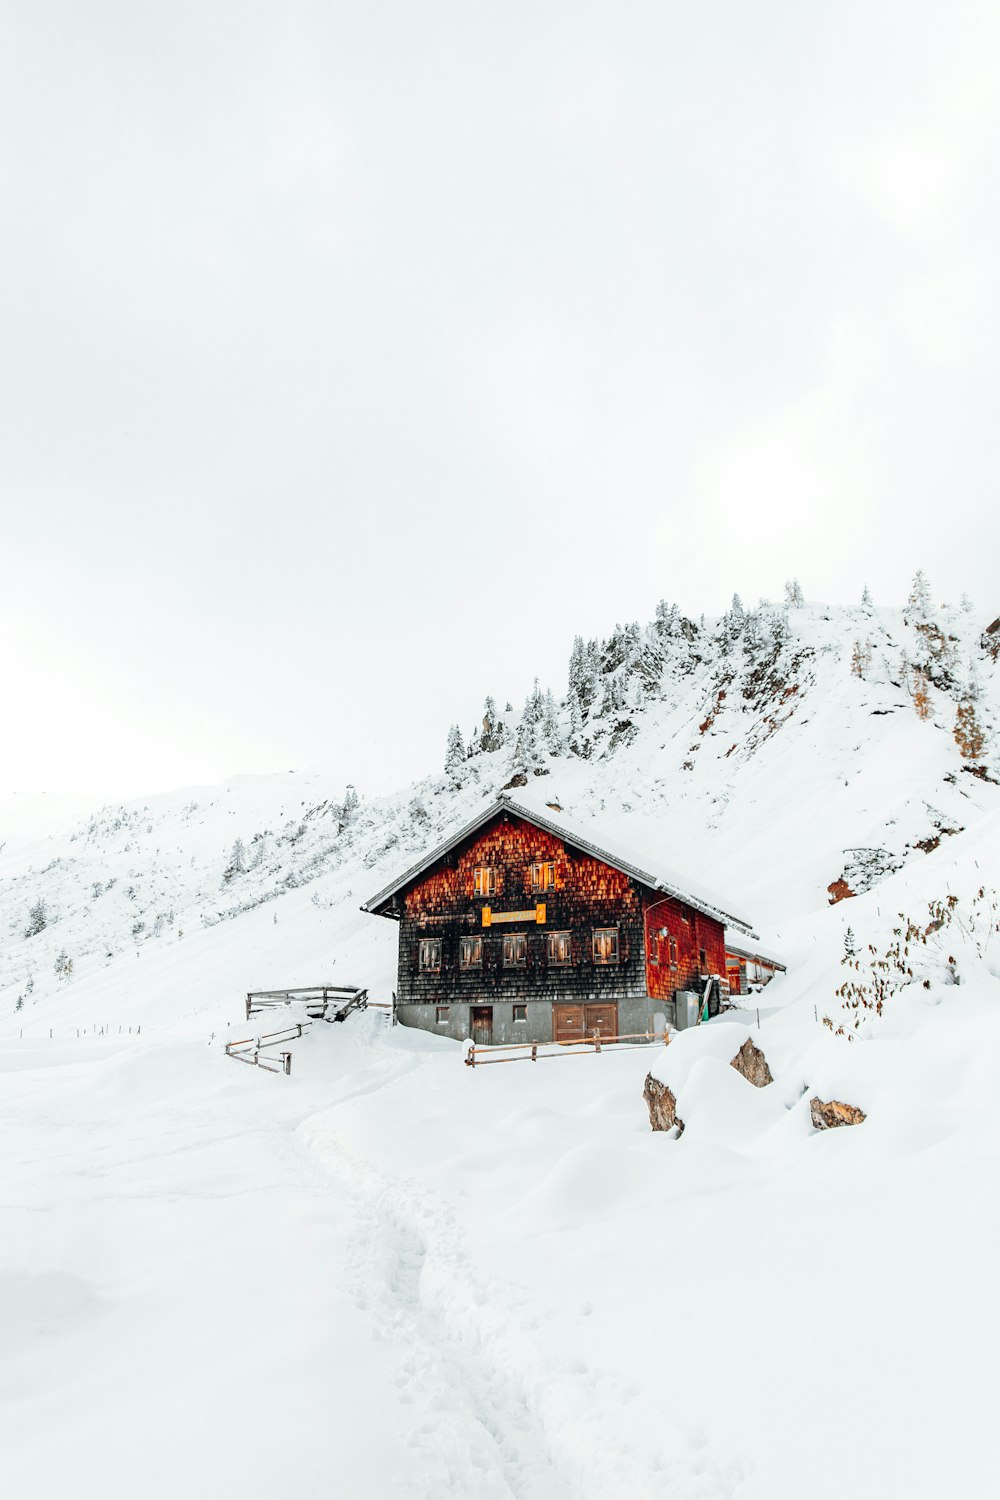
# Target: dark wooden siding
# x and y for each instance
(587, 895)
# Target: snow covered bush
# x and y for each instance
(953, 938)
(38, 918)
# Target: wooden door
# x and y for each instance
(482, 1025)
(602, 1018)
(567, 1023)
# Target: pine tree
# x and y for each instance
(866, 598)
(350, 802)
(969, 736)
(967, 604)
(38, 918)
(919, 605)
(550, 731)
(861, 658)
(850, 945)
(794, 596)
(921, 697)
(528, 748)
(667, 616)
(454, 755)
(492, 734)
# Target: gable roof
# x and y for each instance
(589, 840)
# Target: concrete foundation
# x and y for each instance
(636, 1014)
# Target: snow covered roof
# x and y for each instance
(591, 840)
(759, 955)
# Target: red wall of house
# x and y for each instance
(692, 932)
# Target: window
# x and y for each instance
(441, 1015)
(484, 881)
(543, 876)
(605, 945)
(470, 953)
(559, 948)
(520, 1012)
(430, 955)
(515, 950)
(672, 949)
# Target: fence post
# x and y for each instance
(597, 1041)
(470, 1056)
(288, 1063)
(534, 1052)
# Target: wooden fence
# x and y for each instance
(248, 1049)
(323, 1002)
(482, 1057)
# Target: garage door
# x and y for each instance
(602, 1018)
(575, 1023)
(567, 1023)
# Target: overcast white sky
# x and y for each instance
(356, 355)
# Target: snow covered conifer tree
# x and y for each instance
(454, 755)
(969, 736)
(350, 802)
(921, 697)
(38, 918)
(666, 619)
(866, 598)
(493, 732)
(919, 605)
(237, 862)
(794, 596)
(551, 734)
(528, 749)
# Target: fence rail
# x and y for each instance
(324, 1002)
(483, 1057)
(248, 1049)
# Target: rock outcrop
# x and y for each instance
(751, 1064)
(662, 1106)
(828, 1115)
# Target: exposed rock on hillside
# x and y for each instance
(828, 1115)
(662, 1106)
(751, 1064)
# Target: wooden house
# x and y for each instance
(748, 968)
(525, 926)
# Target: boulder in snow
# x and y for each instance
(828, 1115)
(662, 1106)
(751, 1064)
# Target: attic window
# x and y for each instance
(605, 945)
(543, 876)
(484, 880)
(430, 955)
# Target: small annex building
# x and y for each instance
(749, 967)
(528, 926)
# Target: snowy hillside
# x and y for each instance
(771, 755)
(390, 1274)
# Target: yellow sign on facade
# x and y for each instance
(536, 914)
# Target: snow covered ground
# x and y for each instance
(389, 1274)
